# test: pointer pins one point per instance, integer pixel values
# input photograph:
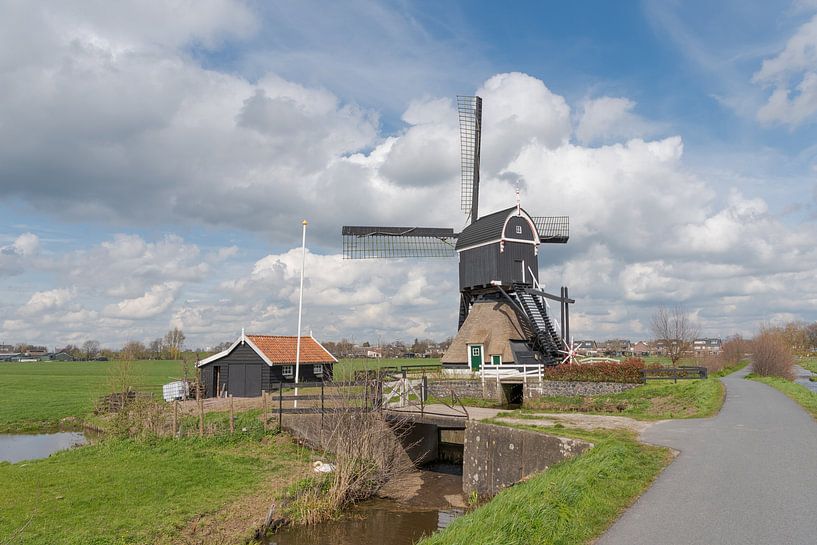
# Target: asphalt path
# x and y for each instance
(746, 476)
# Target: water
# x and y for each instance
(381, 521)
(373, 523)
(17, 447)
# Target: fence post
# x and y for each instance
(232, 415)
(264, 414)
(322, 406)
(280, 404)
(175, 417)
(200, 403)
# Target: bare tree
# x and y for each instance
(675, 328)
(174, 341)
(90, 349)
(133, 350)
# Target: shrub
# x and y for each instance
(771, 355)
(628, 371)
(733, 350)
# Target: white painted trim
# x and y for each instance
(495, 241)
(244, 339)
(324, 349)
(524, 214)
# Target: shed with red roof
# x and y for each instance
(262, 362)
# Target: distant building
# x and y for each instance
(587, 348)
(6, 349)
(641, 348)
(374, 353)
(617, 347)
(706, 346)
(261, 362)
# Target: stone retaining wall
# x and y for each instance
(475, 388)
(463, 388)
(568, 388)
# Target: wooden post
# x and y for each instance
(175, 417)
(200, 403)
(322, 406)
(264, 414)
(280, 404)
(232, 415)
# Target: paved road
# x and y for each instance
(747, 476)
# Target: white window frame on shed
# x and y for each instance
(317, 369)
(288, 370)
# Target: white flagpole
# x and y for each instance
(300, 307)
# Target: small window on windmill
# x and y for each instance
(518, 229)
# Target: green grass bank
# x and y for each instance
(127, 491)
(656, 400)
(799, 393)
(571, 503)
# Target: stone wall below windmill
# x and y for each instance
(496, 457)
(572, 388)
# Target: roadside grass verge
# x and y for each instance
(797, 392)
(729, 370)
(571, 503)
(35, 396)
(127, 491)
(657, 400)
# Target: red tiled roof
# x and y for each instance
(281, 349)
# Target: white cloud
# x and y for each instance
(43, 301)
(155, 301)
(792, 74)
(606, 119)
(15, 256)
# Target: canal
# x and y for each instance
(31, 446)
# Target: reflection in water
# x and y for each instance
(373, 523)
(17, 447)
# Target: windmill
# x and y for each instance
(504, 314)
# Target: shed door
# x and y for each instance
(236, 379)
(252, 381)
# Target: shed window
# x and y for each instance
(317, 370)
(287, 371)
(518, 229)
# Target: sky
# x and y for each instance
(157, 159)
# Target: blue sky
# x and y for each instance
(157, 160)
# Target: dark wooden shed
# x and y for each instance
(261, 362)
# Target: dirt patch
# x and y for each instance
(581, 421)
(669, 405)
(237, 521)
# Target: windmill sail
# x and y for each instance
(470, 113)
(364, 242)
(552, 229)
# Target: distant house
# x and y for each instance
(706, 346)
(641, 348)
(587, 348)
(62, 356)
(6, 349)
(261, 362)
(617, 347)
(36, 351)
(374, 353)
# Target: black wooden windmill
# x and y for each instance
(504, 314)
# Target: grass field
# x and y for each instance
(122, 492)
(37, 395)
(570, 504)
(656, 400)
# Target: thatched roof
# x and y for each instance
(490, 323)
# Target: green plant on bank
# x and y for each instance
(797, 392)
(808, 362)
(656, 400)
(571, 503)
(137, 491)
